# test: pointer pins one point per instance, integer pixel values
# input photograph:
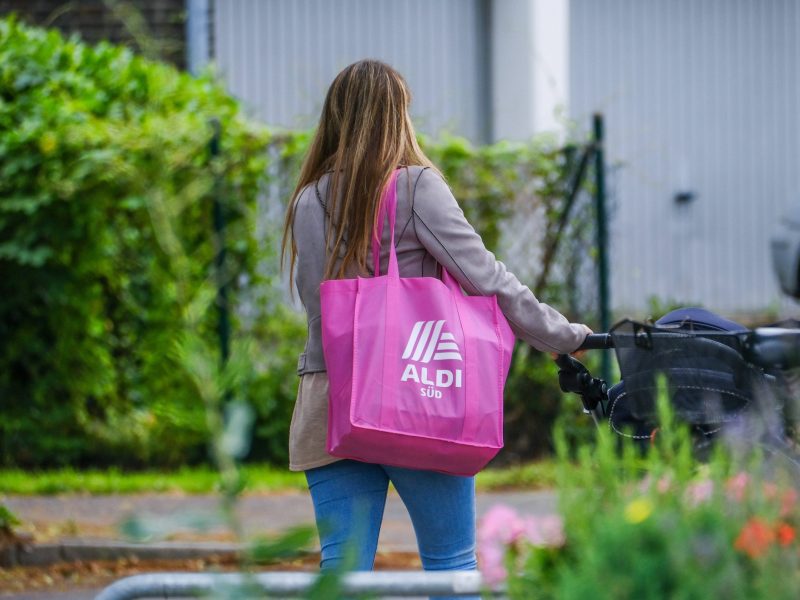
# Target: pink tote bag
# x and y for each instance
(416, 368)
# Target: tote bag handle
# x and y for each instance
(389, 205)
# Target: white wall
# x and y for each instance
(701, 97)
(280, 56)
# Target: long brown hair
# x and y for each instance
(364, 133)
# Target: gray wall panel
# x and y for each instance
(703, 95)
(279, 56)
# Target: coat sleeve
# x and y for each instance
(446, 234)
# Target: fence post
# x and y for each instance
(223, 324)
(602, 238)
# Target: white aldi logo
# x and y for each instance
(428, 342)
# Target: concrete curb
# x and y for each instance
(42, 555)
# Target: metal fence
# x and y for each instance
(576, 280)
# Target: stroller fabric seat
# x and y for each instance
(707, 379)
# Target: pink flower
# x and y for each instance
(787, 497)
(664, 484)
(736, 486)
(700, 492)
(788, 502)
(544, 531)
(497, 530)
(501, 524)
(502, 528)
(492, 561)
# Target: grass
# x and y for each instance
(538, 475)
(189, 480)
(204, 480)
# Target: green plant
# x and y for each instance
(658, 526)
(533, 403)
(99, 148)
(7, 519)
(658, 307)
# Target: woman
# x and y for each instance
(364, 134)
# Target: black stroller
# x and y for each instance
(721, 378)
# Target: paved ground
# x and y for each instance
(88, 518)
(98, 516)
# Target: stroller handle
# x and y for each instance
(764, 346)
(774, 347)
(597, 341)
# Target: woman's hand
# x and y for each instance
(576, 352)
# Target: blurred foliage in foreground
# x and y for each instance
(660, 526)
(107, 246)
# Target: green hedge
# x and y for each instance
(106, 251)
(97, 148)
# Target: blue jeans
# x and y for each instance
(349, 498)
